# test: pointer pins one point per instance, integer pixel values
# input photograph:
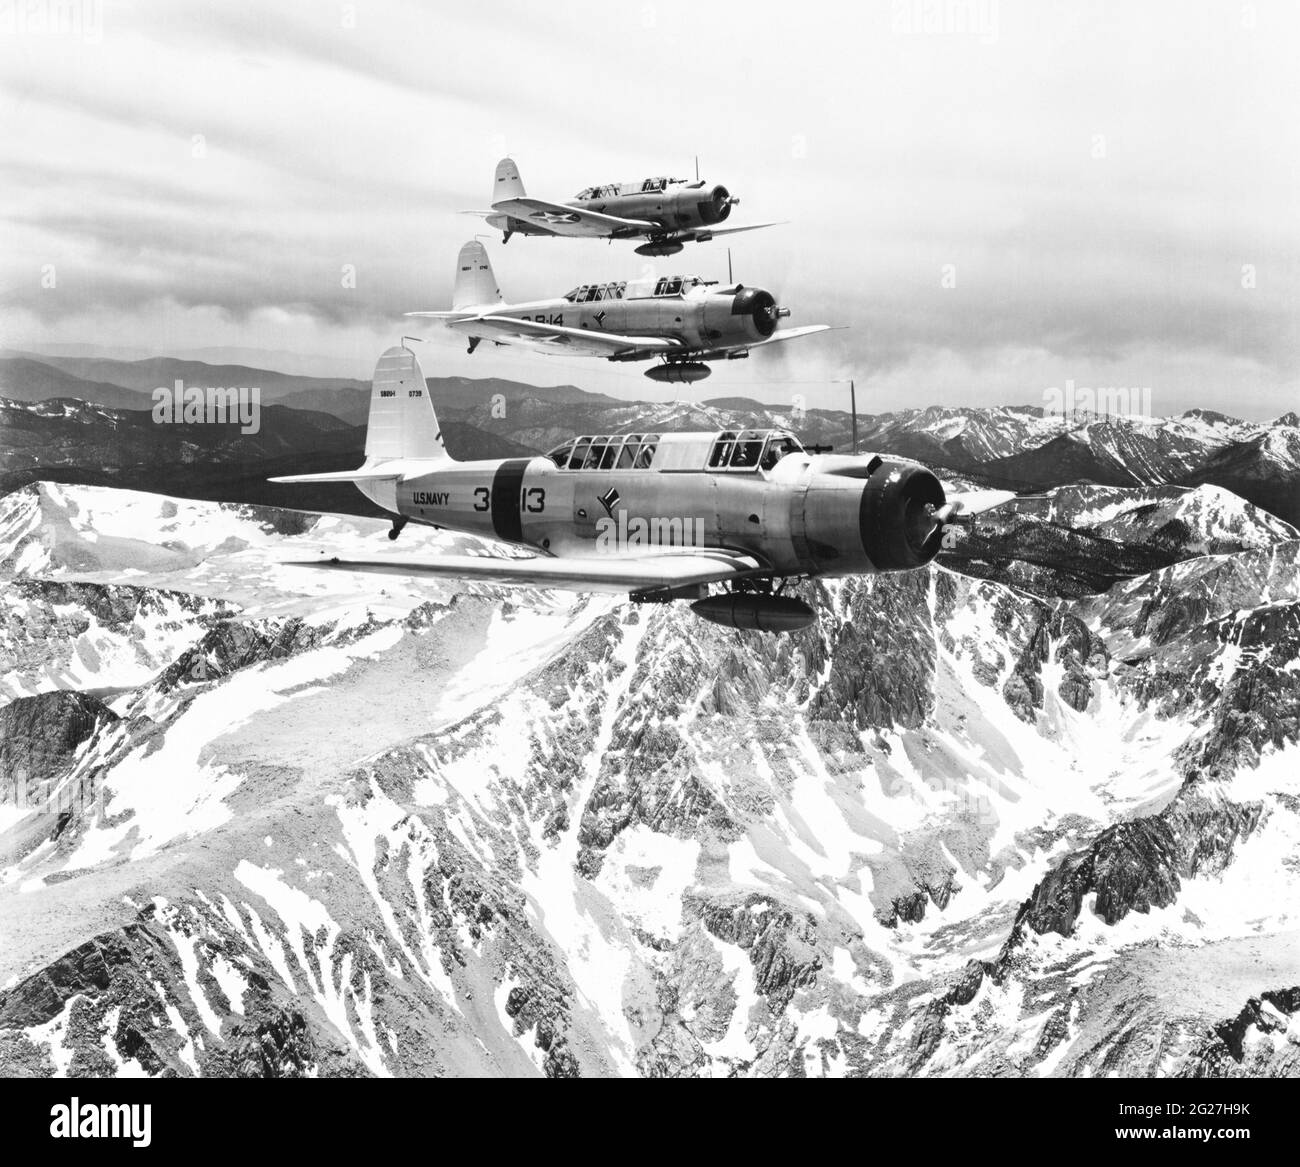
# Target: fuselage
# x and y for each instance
(757, 492)
(675, 206)
(673, 203)
(699, 314)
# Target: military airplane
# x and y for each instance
(659, 516)
(666, 212)
(681, 320)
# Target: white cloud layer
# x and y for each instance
(1101, 178)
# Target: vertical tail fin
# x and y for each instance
(475, 284)
(508, 184)
(402, 421)
(402, 424)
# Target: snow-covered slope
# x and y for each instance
(357, 825)
(1205, 520)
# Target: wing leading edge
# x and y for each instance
(614, 574)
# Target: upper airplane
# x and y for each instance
(682, 320)
(661, 517)
(666, 212)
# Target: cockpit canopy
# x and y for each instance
(612, 190)
(589, 292)
(607, 452)
(727, 451)
(677, 285)
(636, 289)
(747, 449)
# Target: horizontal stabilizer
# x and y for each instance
(365, 474)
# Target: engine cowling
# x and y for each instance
(739, 316)
(757, 308)
(692, 207)
(716, 207)
(896, 516)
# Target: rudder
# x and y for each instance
(507, 184)
(402, 422)
(475, 285)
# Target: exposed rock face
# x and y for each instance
(881, 659)
(113, 605)
(1064, 640)
(233, 645)
(57, 634)
(930, 1026)
(780, 944)
(39, 736)
(1262, 1041)
(911, 908)
(1139, 865)
(108, 1001)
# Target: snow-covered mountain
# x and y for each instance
(1205, 520)
(264, 821)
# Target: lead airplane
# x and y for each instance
(683, 321)
(666, 212)
(658, 516)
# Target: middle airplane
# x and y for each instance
(683, 321)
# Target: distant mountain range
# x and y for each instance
(1017, 447)
(101, 381)
(68, 440)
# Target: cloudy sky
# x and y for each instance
(1112, 188)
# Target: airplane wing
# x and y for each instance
(563, 220)
(711, 231)
(781, 334)
(792, 333)
(610, 573)
(556, 337)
